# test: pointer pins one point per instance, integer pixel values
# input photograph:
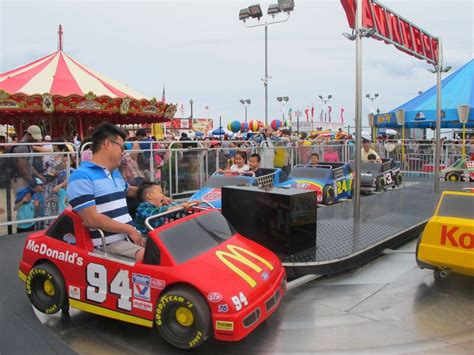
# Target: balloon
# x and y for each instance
(255, 125)
(234, 126)
(276, 125)
(244, 127)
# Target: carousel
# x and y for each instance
(63, 96)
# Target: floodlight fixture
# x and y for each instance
(320, 96)
(279, 99)
(369, 32)
(286, 5)
(445, 70)
(255, 11)
(273, 9)
(329, 96)
(349, 36)
(242, 101)
(286, 98)
(367, 96)
(248, 101)
(244, 14)
(376, 95)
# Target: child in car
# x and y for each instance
(254, 165)
(372, 158)
(239, 166)
(314, 159)
(152, 202)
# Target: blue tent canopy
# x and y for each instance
(420, 112)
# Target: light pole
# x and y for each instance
(246, 103)
(358, 33)
(191, 102)
(283, 100)
(372, 111)
(255, 12)
(298, 115)
(438, 69)
(325, 101)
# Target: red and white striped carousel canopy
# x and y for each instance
(59, 74)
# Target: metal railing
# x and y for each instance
(181, 171)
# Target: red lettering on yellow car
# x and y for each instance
(465, 240)
(445, 234)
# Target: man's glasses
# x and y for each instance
(117, 143)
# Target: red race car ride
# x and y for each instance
(199, 278)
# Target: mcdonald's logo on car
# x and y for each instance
(235, 253)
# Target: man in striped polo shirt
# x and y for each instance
(97, 192)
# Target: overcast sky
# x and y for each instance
(201, 51)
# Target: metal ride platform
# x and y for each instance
(387, 219)
(382, 307)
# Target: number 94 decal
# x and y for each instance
(239, 301)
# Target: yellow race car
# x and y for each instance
(447, 242)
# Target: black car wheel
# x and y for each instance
(379, 183)
(183, 318)
(46, 289)
(328, 195)
(398, 180)
(453, 176)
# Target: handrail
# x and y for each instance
(181, 208)
(102, 236)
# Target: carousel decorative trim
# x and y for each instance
(124, 106)
(48, 103)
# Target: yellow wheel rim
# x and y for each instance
(452, 178)
(48, 288)
(184, 316)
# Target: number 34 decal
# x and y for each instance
(97, 286)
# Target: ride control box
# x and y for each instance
(281, 219)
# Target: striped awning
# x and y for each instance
(60, 74)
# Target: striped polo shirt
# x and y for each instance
(94, 185)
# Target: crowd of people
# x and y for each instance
(39, 184)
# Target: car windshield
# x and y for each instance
(195, 236)
(228, 180)
(458, 206)
(367, 167)
(310, 172)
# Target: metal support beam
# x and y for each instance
(439, 69)
(358, 110)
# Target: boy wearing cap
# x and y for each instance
(28, 204)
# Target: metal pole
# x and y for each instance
(438, 68)
(358, 111)
(245, 113)
(266, 75)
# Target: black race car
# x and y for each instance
(375, 177)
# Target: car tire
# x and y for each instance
(379, 183)
(398, 180)
(328, 195)
(183, 318)
(453, 176)
(46, 289)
